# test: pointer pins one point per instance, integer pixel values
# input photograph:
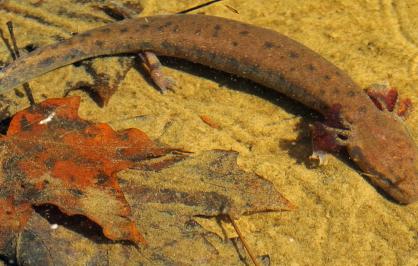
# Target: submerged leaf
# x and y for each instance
(211, 183)
(106, 75)
(165, 202)
(165, 198)
(51, 156)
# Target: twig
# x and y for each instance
(16, 53)
(244, 243)
(12, 36)
(8, 46)
(198, 6)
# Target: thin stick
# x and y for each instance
(29, 94)
(26, 86)
(198, 6)
(244, 243)
(8, 46)
(12, 36)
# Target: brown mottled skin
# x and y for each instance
(378, 141)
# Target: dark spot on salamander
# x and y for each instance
(233, 62)
(105, 30)
(211, 55)
(145, 46)
(198, 31)
(351, 93)
(336, 91)
(143, 26)
(234, 44)
(168, 46)
(362, 109)
(244, 32)
(196, 51)
(311, 67)
(393, 171)
(46, 62)
(292, 69)
(269, 45)
(128, 46)
(217, 28)
(176, 29)
(99, 43)
(253, 69)
(327, 77)
(165, 25)
(74, 53)
(293, 54)
(123, 30)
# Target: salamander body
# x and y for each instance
(377, 140)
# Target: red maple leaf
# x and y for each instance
(51, 156)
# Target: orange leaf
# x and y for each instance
(51, 156)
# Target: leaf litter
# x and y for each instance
(52, 158)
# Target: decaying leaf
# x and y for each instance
(51, 156)
(206, 184)
(106, 75)
(164, 201)
(212, 184)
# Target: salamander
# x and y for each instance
(377, 140)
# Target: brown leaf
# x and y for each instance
(211, 183)
(51, 156)
(106, 73)
(164, 201)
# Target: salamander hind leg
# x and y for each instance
(149, 59)
(153, 66)
(386, 99)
